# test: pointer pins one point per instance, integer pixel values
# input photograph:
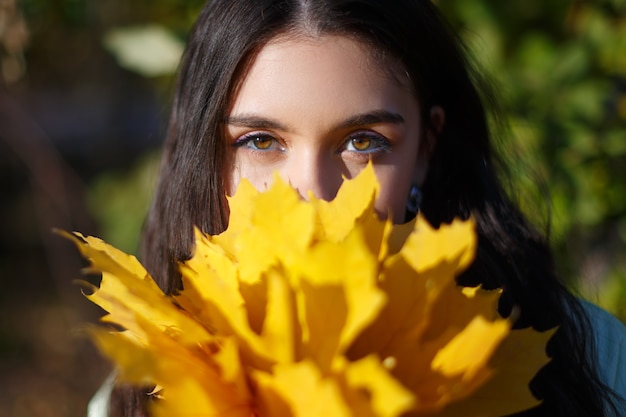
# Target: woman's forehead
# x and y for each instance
(330, 73)
(372, 56)
(323, 67)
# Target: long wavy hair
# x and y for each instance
(462, 180)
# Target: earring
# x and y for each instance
(414, 201)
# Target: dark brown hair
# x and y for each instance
(461, 181)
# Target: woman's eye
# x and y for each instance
(256, 141)
(361, 143)
(261, 142)
(367, 143)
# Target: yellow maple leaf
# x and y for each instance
(315, 308)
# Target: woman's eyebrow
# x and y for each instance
(255, 122)
(371, 118)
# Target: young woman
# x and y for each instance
(314, 89)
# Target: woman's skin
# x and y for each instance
(316, 109)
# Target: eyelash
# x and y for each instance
(380, 143)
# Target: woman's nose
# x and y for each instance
(319, 174)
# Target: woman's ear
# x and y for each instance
(437, 119)
(432, 129)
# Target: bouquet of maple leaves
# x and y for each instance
(315, 308)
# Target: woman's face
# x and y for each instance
(316, 110)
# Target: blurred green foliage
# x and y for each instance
(120, 201)
(560, 70)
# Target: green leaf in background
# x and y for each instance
(120, 202)
(149, 50)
